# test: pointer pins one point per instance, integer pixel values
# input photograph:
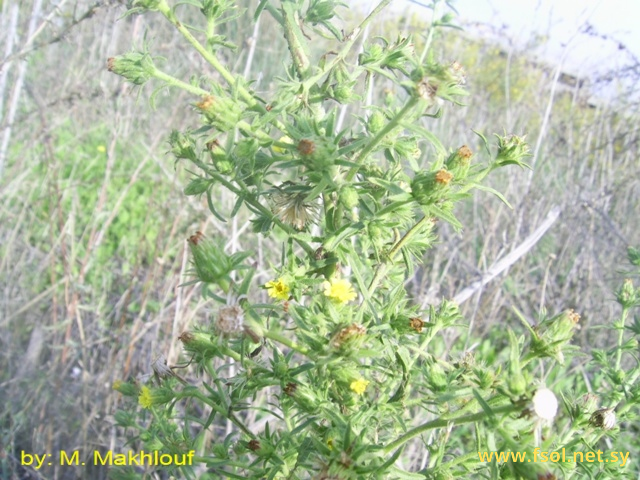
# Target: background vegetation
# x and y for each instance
(93, 220)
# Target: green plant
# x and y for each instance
(345, 377)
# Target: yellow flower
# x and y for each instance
(283, 139)
(359, 386)
(339, 290)
(117, 384)
(145, 399)
(101, 148)
(278, 289)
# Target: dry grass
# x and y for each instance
(89, 291)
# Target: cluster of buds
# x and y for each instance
(135, 67)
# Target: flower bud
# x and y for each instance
(429, 187)
(343, 93)
(407, 147)
(348, 197)
(459, 161)
(318, 153)
(351, 337)
(197, 186)
(627, 296)
(182, 146)
(437, 378)
(135, 67)
(212, 265)
(376, 122)
(553, 334)
(200, 343)
(407, 325)
(125, 388)
(221, 112)
(512, 150)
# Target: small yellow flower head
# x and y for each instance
(101, 148)
(145, 399)
(117, 384)
(339, 290)
(278, 289)
(283, 139)
(359, 386)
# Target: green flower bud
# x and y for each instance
(200, 343)
(125, 388)
(349, 338)
(136, 67)
(303, 396)
(376, 122)
(318, 153)
(517, 384)
(407, 147)
(484, 377)
(553, 334)
(373, 54)
(618, 376)
(429, 187)
(348, 197)
(511, 151)
(407, 325)
(182, 146)
(343, 93)
(212, 265)
(437, 378)
(627, 296)
(197, 186)
(221, 112)
(633, 254)
(458, 162)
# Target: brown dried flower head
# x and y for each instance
(230, 320)
(443, 177)
(306, 147)
(417, 324)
